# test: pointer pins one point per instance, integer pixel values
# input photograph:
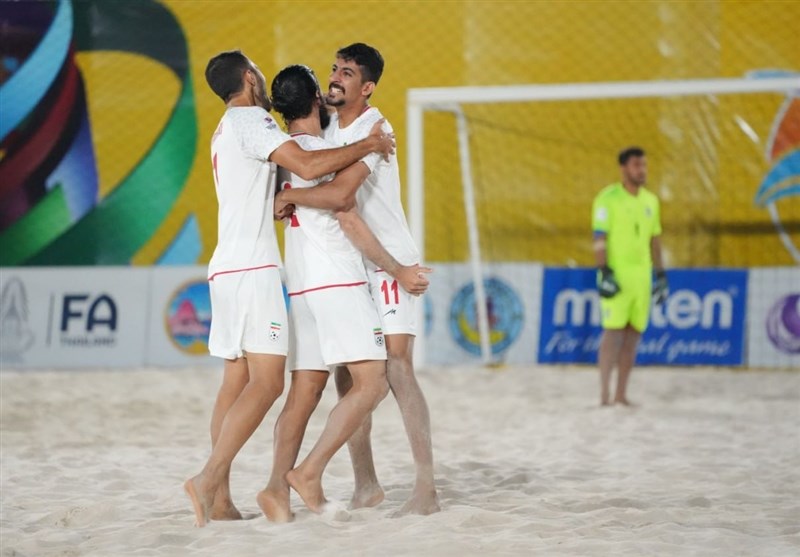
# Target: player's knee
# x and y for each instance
(382, 390)
(269, 384)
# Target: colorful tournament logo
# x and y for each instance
(53, 208)
(506, 316)
(188, 317)
(783, 152)
(15, 335)
(783, 324)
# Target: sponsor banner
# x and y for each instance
(180, 317)
(701, 323)
(512, 290)
(73, 317)
(774, 318)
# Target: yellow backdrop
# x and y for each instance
(538, 166)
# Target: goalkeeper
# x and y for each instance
(627, 246)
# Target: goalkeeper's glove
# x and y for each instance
(660, 288)
(606, 284)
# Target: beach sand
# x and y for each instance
(93, 463)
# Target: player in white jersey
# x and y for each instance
(248, 326)
(353, 79)
(333, 319)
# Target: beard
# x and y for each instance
(324, 117)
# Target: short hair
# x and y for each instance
(294, 90)
(628, 153)
(369, 60)
(224, 73)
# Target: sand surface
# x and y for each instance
(92, 464)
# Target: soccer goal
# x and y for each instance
(506, 174)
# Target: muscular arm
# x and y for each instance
(337, 195)
(310, 165)
(655, 253)
(365, 241)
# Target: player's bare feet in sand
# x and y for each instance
(625, 402)
(309, 489)
(367, 497)
(275, 505)
(224, 509)
(201, 499)
(423, 503)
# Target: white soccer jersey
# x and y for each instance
(318, 254)
(378, 197)
(245, 185)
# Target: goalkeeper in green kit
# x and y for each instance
(626, 222)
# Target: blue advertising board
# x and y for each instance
(701, 323)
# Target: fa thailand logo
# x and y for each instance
(188, 317)
(783, 153)
(783, 324)
(506, 316)
(15, 335)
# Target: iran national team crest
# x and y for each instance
(274, 331)
(378, 334)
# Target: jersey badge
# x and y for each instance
(274, 331)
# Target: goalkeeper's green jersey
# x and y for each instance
(629, 223)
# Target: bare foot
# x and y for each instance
(423, 503)
(625, 402)
(369, 497)
(201, 501)
(275, 505)
(224, 509)
(605, 403)
(309, 490)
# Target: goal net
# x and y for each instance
(501, 181)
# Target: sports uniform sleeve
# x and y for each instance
(373, 159)
(260, 135)
(657, 217)
(601, 215)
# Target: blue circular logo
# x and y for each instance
(188, 317)
(506, 316)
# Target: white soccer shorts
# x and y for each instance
(397, 308)
(248, 314)
(332, 326)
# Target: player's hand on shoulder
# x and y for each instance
(412, 279)
(384, 142)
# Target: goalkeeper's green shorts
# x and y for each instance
(631, 305)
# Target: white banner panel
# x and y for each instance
(180, 317)
(73, 317)
(774, 318)
(513, 292)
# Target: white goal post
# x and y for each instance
(451, 99)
